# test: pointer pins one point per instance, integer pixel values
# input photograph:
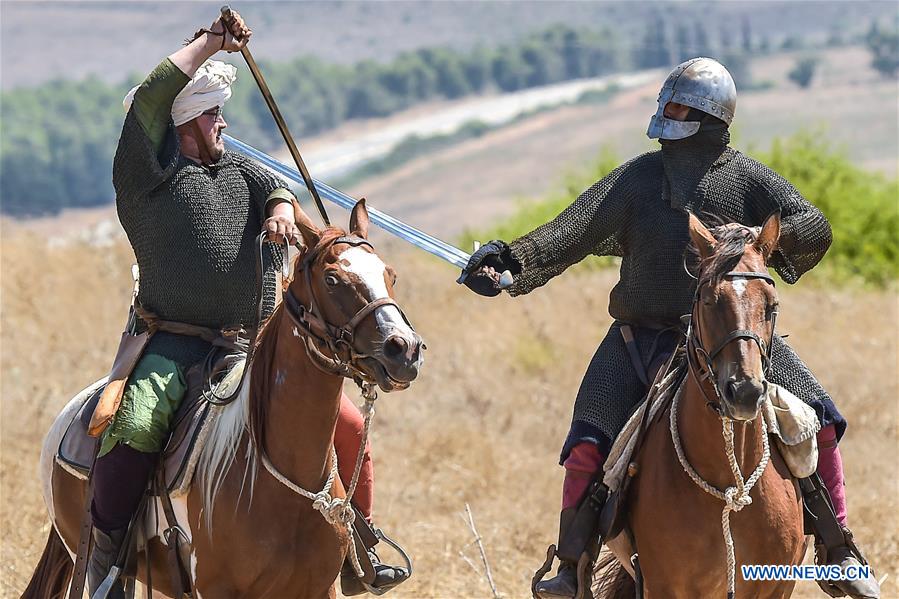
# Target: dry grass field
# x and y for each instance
(482, 426)
(484, 423)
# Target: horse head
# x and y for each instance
(343, 293)
(734, 312)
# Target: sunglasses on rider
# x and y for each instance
(216, 113)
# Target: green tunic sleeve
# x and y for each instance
(147, 153)
(154, 98)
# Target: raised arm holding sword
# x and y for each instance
(192, 212)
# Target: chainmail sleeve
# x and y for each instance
(805, 234)
(590, 225)
(138, 168)
(260, 181)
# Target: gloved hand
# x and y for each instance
(482, 273)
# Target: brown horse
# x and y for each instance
(251, 534)
(677, 525)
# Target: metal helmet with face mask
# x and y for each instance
(701, 83)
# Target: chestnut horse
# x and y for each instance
(678, 527)
(250, 534)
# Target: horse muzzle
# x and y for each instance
(398, 361)
(742, 398)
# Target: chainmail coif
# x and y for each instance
(638, 212)
(193, 229)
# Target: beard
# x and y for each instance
(215, 146)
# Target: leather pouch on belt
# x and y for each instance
(131, 348)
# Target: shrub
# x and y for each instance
(804, 71)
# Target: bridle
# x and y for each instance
(738, 496)
(695, 347)
(316, 332)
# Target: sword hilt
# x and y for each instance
(505, 279)
(228, 19)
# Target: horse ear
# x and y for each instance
(766, 242)
(359, 220)
(311, 234)
(702, 238)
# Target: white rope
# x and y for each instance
(335, 510)
(735, 498)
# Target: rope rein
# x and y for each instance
(310, 326)
(735, 498)
(335, 510)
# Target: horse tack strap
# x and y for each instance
(172, 537)
(738, 334)
(627, 333)
(76, 588)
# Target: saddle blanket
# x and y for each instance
(793, 424)
(194, 421)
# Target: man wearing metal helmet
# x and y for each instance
(639, 212)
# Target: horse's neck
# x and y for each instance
(302, 412)
(702, 438)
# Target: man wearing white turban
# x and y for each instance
(192, 212)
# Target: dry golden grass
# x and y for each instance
(483, 425)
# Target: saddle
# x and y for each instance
(194, 420)
(792, 423)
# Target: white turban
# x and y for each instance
(210, 87)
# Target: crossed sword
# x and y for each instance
(392, 225)
(319, 189)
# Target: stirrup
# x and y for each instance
(378, 591)
(584, 574)
(106, 586)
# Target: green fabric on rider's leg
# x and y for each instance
(152, 396)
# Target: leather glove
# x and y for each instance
(494, 254)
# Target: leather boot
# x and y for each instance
(846, 555)
(564, 584)
(103, 581)
(834, 545)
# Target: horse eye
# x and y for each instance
(394, 280)
(331, 281)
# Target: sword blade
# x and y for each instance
(396, 227)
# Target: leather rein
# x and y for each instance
(317, 332)
(695, 348)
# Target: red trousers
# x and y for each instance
(585, 460)
(347, 439)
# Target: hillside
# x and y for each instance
(467, 185)
(46, 40)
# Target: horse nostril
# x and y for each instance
(731, 389)
(395, 346)
(746, 391)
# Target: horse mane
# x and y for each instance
(263, 358)
(247, 413)
(728, 252)
(233, 420)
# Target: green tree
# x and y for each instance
(682, 43)
(884, 47)
(803, 71)
(654, 51)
